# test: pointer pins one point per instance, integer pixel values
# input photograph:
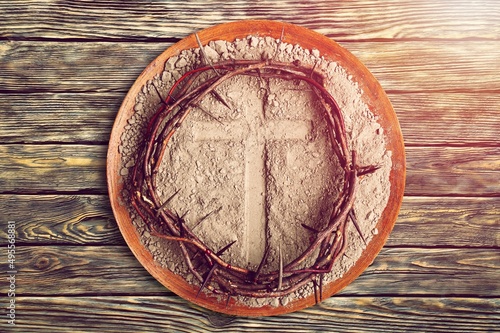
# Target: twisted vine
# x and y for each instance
(205, 263)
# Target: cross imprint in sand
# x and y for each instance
(255, 130)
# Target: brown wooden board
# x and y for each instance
(426, 118)
(432, 171)
(407, 66)
(359, 20)
(60, 219)
(66, 66)
(336, 314)
(109, 270)
(88, 220)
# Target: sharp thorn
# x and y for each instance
(309, 228)
(220, 99)
(280, 277)
(206, 216)
(180, 221)
(367, 170)
(356, 225)
(159, 95)
(224, 249)
(172, 196)
(312, 70)
(200, 45)
(209, 275)
(204, 55)
(281, 38)
(163, 205)
(315, 287)
(262, 262)
(184, 215)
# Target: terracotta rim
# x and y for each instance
(374, 96)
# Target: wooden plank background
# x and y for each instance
(65, 67)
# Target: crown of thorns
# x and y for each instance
(206, 264)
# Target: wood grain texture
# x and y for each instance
(74, 270)
(108, 270)
(447, 222)
(453, 171)
(448, 118)
(65, 67)
(60, 219)
(73, 66)
(88, 220)
(58, 118)
(410, 66)
(158, 19)
(425, 118)
(42, 168)
(336, 314)
(432, 171)
(431, 66)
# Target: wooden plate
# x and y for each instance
(374, 96)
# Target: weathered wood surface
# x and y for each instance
(434, 171)
(457, 119)
(142, 20)
(90, 270)
(58, 117)
(336, 314)
(65, 67)
(453, 171)
(411, 66)
(88, 220)
(447, 222)
(61, 219)
(425, 118)
(42, 168)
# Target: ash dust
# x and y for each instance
(256, 170)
